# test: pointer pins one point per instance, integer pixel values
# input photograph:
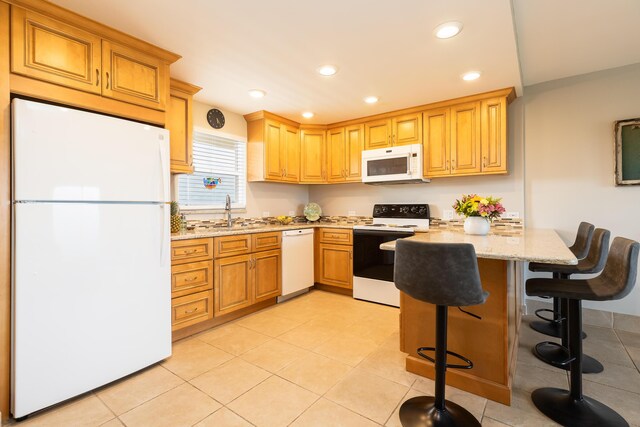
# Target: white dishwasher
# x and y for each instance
(297, 262)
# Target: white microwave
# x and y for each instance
(393, 165)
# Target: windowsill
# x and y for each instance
(188, 211)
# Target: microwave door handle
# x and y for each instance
(409, 164)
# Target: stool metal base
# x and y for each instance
(558, 405)
(421, 412)
(558, 356)
(551, 329)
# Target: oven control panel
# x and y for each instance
(401, 211)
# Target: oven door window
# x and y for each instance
(389, 166)
(369, 260)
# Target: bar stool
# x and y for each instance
(571, 407)
(558, 354)
(444, 274)
(580, 249)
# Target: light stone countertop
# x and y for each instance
(224, 231)
(535, 245)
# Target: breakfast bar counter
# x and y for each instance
(491, 342)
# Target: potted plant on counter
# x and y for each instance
(478, 212)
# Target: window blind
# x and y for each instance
(215, 157)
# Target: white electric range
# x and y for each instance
(373, 267)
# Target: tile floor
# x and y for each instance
(325, 360)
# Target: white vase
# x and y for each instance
(476, 225)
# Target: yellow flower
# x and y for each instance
(484, 201)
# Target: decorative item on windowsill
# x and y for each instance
(312, 211)
(210, 183)
(176, 218)
(479, 212)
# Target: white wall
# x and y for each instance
(570, 159)
(440, 193)
(277, 199)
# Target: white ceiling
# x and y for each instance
(385, 49)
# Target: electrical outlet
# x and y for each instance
(513, 214)
(292, 213)
(447, 215)
(265, 213)
(351, 213)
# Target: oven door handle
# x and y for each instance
(383, 233)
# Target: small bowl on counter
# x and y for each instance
(284, 220)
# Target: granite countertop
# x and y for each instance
(262, 228)
(535, 245)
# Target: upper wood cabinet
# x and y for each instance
(344, 153)
(313, 169)
(180, 124)
(133, 76)
(493, 123)
(401, 130)
(273, 148)
(81, 55)
(466, 139)
(47, 49)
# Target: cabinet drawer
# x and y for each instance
(232, 245)
(191, 309)
(335, 235)
(191, 250)
(266, 241)
(189, 278)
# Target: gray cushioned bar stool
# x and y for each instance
(444, 274)
(571, 407)
(558, 354)
(580, 249)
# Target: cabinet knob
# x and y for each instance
(191, 311)
(97, 77)
(107, 74)
(190, 279)
(484, 161)
(453, 164)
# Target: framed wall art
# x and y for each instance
(627, 135)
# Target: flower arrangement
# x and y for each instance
(474, 205)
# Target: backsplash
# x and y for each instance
(271, 220)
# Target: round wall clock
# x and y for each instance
(215, 118)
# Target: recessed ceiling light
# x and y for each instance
(327, 70)
(257, 93)
(371, 99)
(471, 75)
(447, 30)
(307, 114)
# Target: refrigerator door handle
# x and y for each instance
(164, 226)
(162, 171)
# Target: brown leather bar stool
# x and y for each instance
(558, 354)
(571, 407)
(580, 248)
(444, 274)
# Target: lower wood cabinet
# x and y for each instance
(334, 257)
(191, 309)
(243, 280)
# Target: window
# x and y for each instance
(215, 157)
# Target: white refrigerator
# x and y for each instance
(91, 263)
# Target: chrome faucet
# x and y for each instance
(227, 211)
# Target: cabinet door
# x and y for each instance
(494, 135)
(354, 141)
(291, 153)
(179, 122)
(266, 241)
(132, 76)
(336, 265)
(238, 244)
(267, 275)
(45, 49)
(232, 284)
(273, 164)
(377, 134)
(191, 250)
(336, 155)
(312, 158)
(407, 129)
(465, 139)
(437, 146)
